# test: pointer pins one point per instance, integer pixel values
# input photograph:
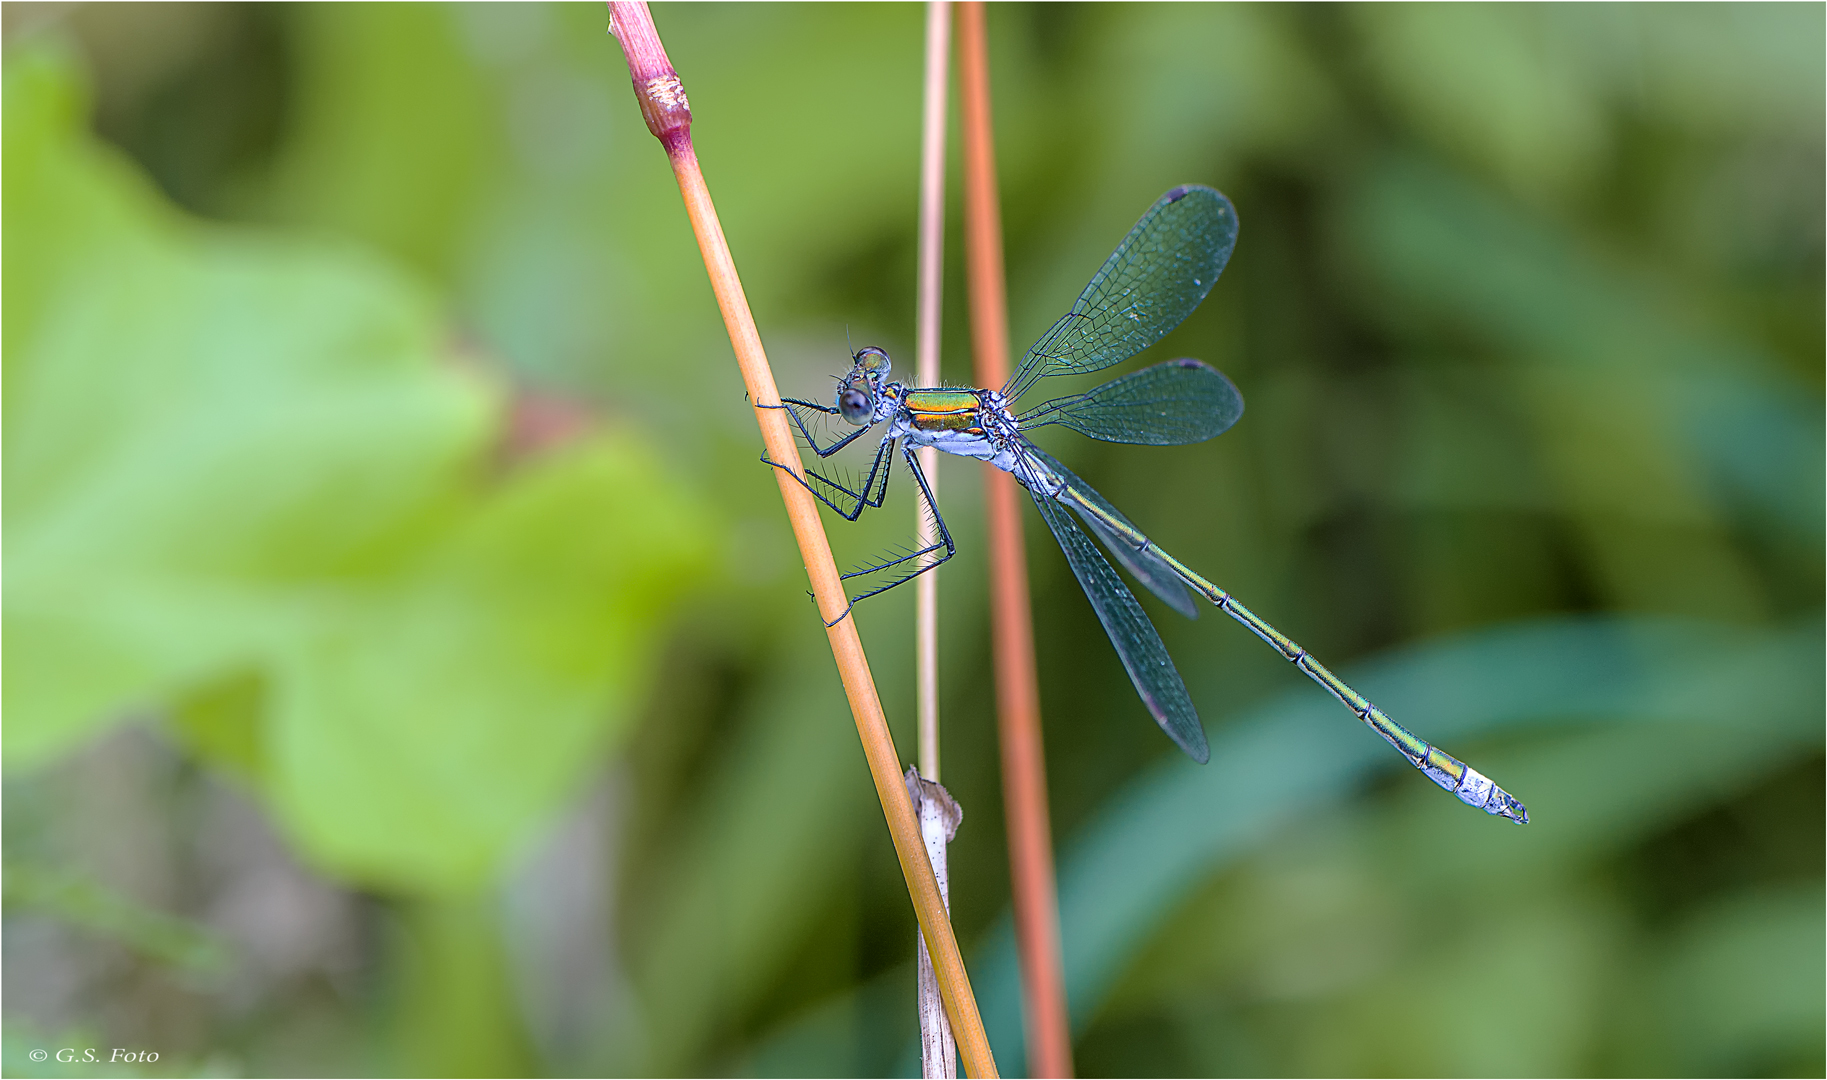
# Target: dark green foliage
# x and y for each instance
(1526, 302)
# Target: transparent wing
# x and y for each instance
(1180, 401)
(1144, 566)
(1134, 637)
(1148, 286)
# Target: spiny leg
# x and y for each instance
(877, 482)
(793, 405)
(945, 541)
(945, 536)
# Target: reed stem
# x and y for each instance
(926, 364)
(663, 104)
(938, 1049)
(1024, 777)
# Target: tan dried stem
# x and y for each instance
(668, 114)
(938, 1049)
(926, 366)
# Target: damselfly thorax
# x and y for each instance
(970, 423)
(962, 420)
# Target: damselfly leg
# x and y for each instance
(944, 541)
(825, 489)
(874, 491)
(793, 405)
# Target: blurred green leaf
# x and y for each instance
(455, 1015)
(200, 425)
(1481, 80)
(750, 878)
(1740, 991)
(1645, 409)
(1524, 91)
(397, 135)
(243, 481)
(431, 722)
(1754, 693)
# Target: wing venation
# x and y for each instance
(1149, 285)
(1169, 404)
(1137, 644)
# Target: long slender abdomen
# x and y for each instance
(1471, 786)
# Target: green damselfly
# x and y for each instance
(1160, 272)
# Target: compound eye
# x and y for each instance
(854, 406)
(874, 361)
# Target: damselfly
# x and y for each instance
(1160, 272)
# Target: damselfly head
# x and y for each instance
(857, 394)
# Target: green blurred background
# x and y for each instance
(411, 670)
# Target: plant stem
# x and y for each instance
(1024, 778)
(663, 105)
(938, 1049)
(939, 820)
(926, 366)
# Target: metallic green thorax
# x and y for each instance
(945, 410)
